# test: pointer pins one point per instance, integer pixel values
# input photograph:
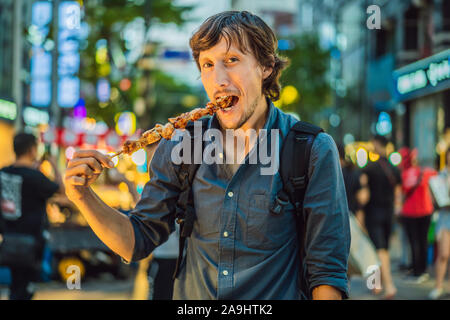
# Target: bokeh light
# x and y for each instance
(69, 153)
(373, 156)
(361, 157)
(139, 157)
(115, 160)
(395, 158)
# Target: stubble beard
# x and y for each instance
(248, 112)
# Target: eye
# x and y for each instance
(206, 65)
(232, 59)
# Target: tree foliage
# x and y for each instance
(307, 72)
(106, 20)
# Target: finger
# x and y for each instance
(76, 181)
(91, 162)
(82, 169)
(91, 179)
(100, 157)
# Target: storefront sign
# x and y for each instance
(423, 77)
(8, 110)
(34, 117)
(69, 56)
(41, 59)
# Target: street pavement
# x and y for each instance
(405, 289)
(106, 287)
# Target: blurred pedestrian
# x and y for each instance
(405, 250)
(162, 268)
(24, 192)
(416, 213)
(356, 186)
(363, 255)
(443, 237)
(385, 192)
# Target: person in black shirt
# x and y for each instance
(24, 191)
(385, 189)
(355, 186)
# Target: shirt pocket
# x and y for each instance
(266, 230)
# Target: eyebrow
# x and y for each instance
(228, 53)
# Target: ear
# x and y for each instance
(267, 71)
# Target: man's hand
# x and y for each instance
(83, 170)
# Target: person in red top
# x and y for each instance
(416, 212)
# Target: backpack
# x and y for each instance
(294, 161)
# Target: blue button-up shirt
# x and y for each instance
(238, 249)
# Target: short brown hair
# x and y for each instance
(251, 34)
(23, 142)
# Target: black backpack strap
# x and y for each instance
(185, 212)
(294, 160)
(294, 163)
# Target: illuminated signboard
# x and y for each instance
(68, 91)
(8, 110)
(41, 92)
(423, 77)
(69, 57)
(33, 117)
(41, 60)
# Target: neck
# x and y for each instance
(24, 162)
(258, 118)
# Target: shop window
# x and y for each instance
(411, 28)
(384, 39)
(446, 102)
(445, 15)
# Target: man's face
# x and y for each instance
(231, 72)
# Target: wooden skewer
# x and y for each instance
(118, 153)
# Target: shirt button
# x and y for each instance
(225, 234)
(225, 272)
(230, 194)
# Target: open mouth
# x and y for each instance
(226, 103)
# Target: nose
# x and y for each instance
(221, 78)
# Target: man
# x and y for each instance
(238, 249)
(24, 192)
(356, 187)
(385, 188)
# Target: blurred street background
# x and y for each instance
(92, 74)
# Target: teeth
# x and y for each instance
(221, 98)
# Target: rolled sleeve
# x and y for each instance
(154, 215)
(327, 242)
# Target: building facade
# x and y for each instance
(409, 74)
(396, 71)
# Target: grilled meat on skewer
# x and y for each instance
(166, 131)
